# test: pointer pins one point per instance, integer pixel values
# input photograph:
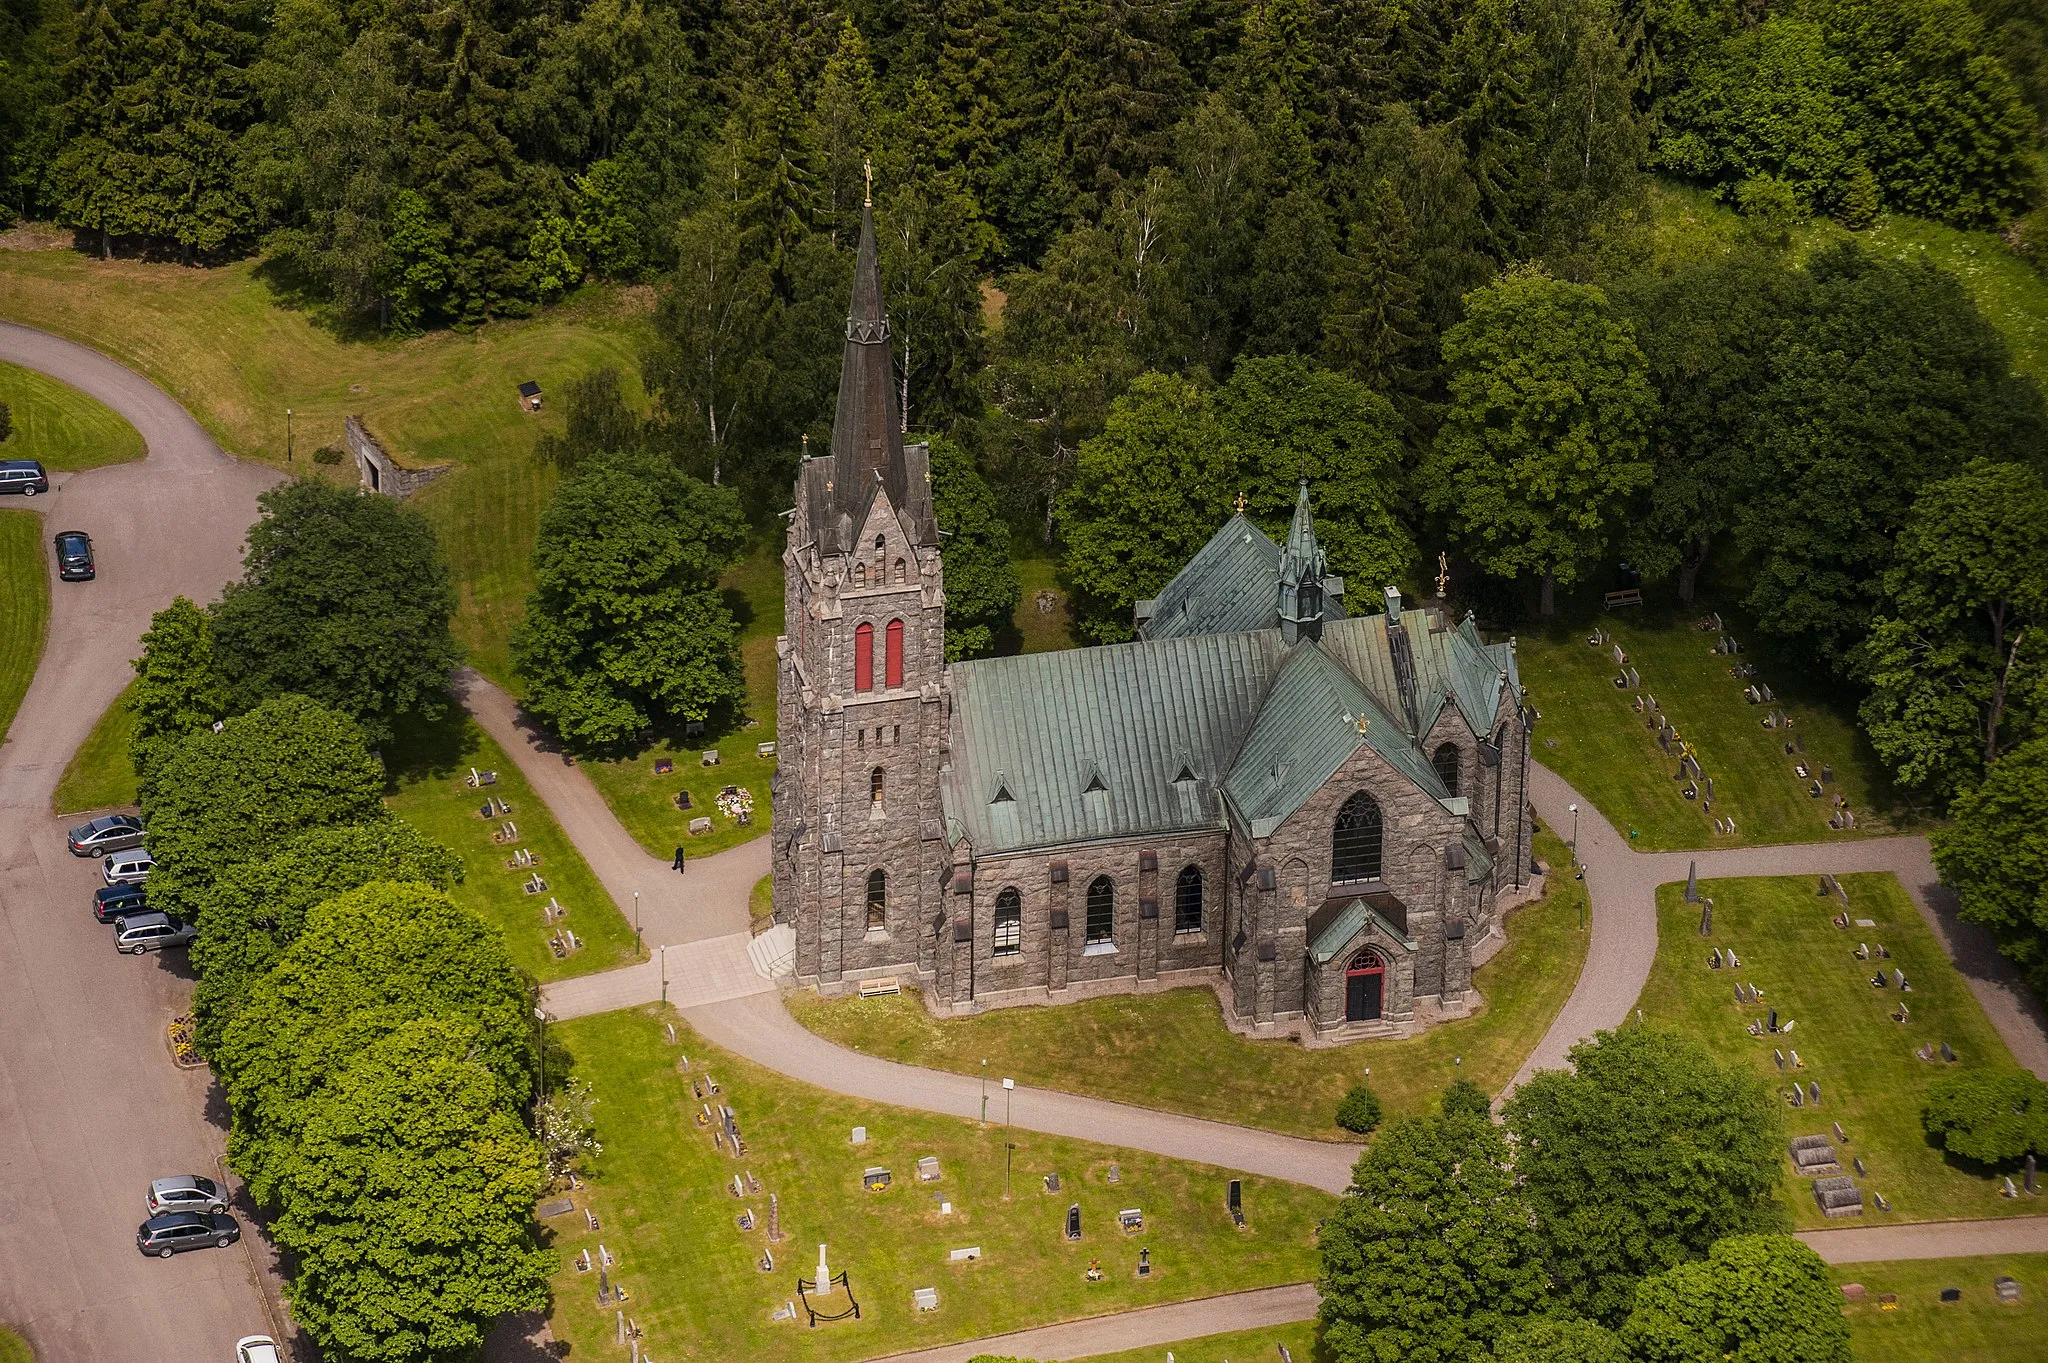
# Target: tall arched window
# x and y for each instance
(1102, 909)
(900, 576)
(875, 786)
(1187, 900)
(1355, 841)
(860, 574)
(1446, 763)
(878, 898)
(1009, 936)
(894, 670)
(864, 658)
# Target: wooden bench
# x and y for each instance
(875, 989)
(1629, 596)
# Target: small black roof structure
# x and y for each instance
(529, 389)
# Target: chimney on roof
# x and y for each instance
(1403, 657)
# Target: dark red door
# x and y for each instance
(1363, 987)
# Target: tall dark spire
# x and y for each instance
(867, 429)
(1301, 575)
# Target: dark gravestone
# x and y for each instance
(1813, 1093)
(1237, 1195)
(1861, 1172)
(1692, 882)
(1074, 1221)
(1948, 1053)
(2030, 1176)
(1773, 1024)
(1052, 1183)
(1951, 1294)
(1707, 919)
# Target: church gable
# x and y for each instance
(1231, 584)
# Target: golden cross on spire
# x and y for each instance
(1240, 503)
(868, 169)
(1443, 574)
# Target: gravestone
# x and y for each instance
(1838, 1134)
(2030, 1176)
(928, 1169)
(925, 1298)
(1144, 1263)
(2007, 1189)
(1236, 1195)
(824, 1282)
(875, 1178)
(1074, 1221)
(1861, 1172)
(1852, 1292)
(786, 1311)
(1813, 1093)
(859, 1137)
(1948, 1053)
(1707, 919)
(1838, 1197)
(1951, 1294)
(1882, 1205)
(1052, 1183)
(1779, 1056)
(1116, 1173)
(766, 1263)
(1773, 1023)
(1131, 1219)
(965, 1255)
(2007, 1288)
(1827, 774)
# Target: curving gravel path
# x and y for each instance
(91, 1108)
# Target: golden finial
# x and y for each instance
(1240, 503)
(1363, 725)
(868, 169)
(1443, 574)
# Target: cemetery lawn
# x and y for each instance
(100, 775)
(1172, 1051)
(24, 607)
(13, 1348)
(1247, 1346)
(427, 769)
(1590, 735)
(659, 1191)
(1924, 1329)
(645, 802)
(1863, 1061)
(237, 348)
(62, 427)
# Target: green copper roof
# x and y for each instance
(1230, 585)
(1347, 925)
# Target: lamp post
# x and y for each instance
(287, 435)
(637, 948)
(1009, 1149)
(1009, 1087)
(1578, 871)
(540, 1016)
(984, 1090)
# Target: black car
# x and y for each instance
(116, 901)
(108, 833)
(74, 556)
(24, 476)
(175, 1232)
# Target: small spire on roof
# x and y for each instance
(868, 169)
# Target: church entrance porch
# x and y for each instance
(1364, 985)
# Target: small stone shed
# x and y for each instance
(379, 471)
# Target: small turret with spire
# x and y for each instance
(1303, 570)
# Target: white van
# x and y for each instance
(127, 868)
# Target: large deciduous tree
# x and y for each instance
(1955, 658)
(345, 598)
(1989, 1116)
(1757, 1298)
(364, 965)
(1887, 379)
(285, 767)
(1545, 437)
(177, 692)
(1640, 1157)
(1431, 1255)
(407, 1202)
(625, 630)
(1560, 1339)
(257, 908)
(1994, 850)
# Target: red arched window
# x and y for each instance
(864, 658)
(895, 655)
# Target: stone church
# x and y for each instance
(1315, 807)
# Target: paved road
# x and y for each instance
(1149, 1327)
(90, 1106)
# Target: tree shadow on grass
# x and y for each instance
(423, 749)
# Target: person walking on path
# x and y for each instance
(677, 864)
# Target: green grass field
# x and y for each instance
(661, 1193)
(1863, 1061)
(1111, 1048)
(1037, 631)
(99, 775)
(60, 426)
(1238, 1346)
(238, 353)
(428, 790)
(1590, 734)
(24, 608)
(1924, 1329)
(13, 1348)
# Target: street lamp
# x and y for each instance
(540, 1016)
(1578, 869)
(637, 948)
(1009, 1087)
(984, 1090)
(287, 435)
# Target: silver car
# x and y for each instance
(127, 868)
(151, 932)
(111, 833)
(186, 1193)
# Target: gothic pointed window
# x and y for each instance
(860, 574)
(893, 670)
(1009, 934)
(875, 786)
(878, 899)
(1355, 841)
(1101, 910)
(864, 658)
(1187, 900)
(1445, 761)
(901, 575)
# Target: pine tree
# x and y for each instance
(848, 117)
(1371, 329)
(781, 175)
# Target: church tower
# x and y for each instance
(862, 693)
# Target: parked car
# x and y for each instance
(118, 901)
(186, 1193)
(74, 556)
(175, 1232)
(142, 932)
(109, 833)
(24, 476)
(127, 868)
(258, 1349)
